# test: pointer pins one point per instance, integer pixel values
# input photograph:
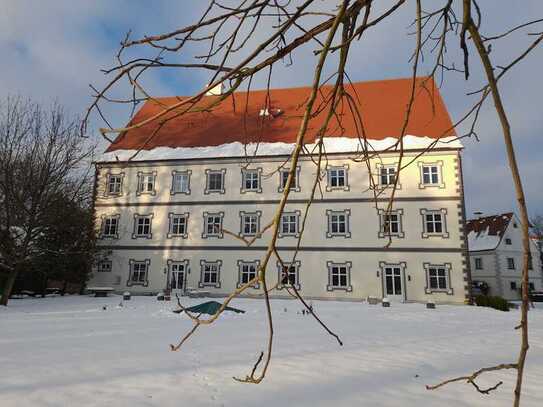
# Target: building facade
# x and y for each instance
(177, 219)
(496, 255)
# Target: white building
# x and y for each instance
(167, 217)
(496, 254)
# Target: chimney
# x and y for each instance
(215, 91)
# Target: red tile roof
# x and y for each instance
(382, 105)
(495, 225)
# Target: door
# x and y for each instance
(394, 289)
(177, 277)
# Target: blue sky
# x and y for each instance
(52, 50)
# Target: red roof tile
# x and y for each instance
(496, 224)
(382, 105)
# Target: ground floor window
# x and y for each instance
(289, 274)
(210, 274)
(438, 278)
(339, 276)
(139, 272)
(247, 270)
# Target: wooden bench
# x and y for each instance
(100, 291)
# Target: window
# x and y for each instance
(339, 276)
(513, 285)
(178, 225)
(531, 286)
(510, 263)
(289, 224)
(438, 278)
(387, 175)
(247, 270)
(390, 223)
(139, 271)
(508, 241)
(215, 181)
(289, 275)
(337, 178)
(250, 180)
(114, 184)
(110, 227)
(180, 182)
(283, 178)
(213, 225)
(530, 262)
(434, 223)
(431, 175)
(142, 226)
(210, 274)
(478, 263)
(146, 183)
(338, 223)
(104, 266)
(250, 223)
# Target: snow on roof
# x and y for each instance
(237, 149)
(485, 233)
(272, 120)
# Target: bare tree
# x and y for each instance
(42, 158)
(234, 59)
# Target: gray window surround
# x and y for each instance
(170, 263)
(296, 234)
(241, 263)
(297, 264)
(379, 184)
(142, 174)
(444, 231)
(104, 219)
(131, 264)
(136, 235)
(203, 264)
(344, 212)
(220, 234)
(242, 215)
(188, 173)
(244, 172)
(508, 241)
(296, 186)
(439, 165)
(109, 174)
(106, 262)
(329, 187)
(331, 287)
(511, 263)
(382, 232)
(171, 217)
(445, 266)
(209, 173)
(478, 263)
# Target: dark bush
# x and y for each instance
(495, 302)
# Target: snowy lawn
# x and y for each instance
(70, 352)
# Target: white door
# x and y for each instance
(394, 289)
(177, 277)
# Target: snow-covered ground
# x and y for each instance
(70, 352)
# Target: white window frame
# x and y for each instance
(438, 165)
(176, 187)
(296, 214)
(212, 173)
(109, 176)
(204, 265)
(330, 214)
(292, 266)
(478, 263)
(432, 212)
(383, 233)
(243, 216)
(295, 186)
(388, 167)
(446, 268)
(171, 220)
(104, 226)
(133, 264)
(334, 265)
(511, 263)
(243, 270)
(104, 264)
(144, 179)
(331, 176)
(135, 233)
(215, 215)
(252, 172)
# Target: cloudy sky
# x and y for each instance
(52, 50)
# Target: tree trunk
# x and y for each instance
(8, 287)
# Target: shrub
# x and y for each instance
(495, 302)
